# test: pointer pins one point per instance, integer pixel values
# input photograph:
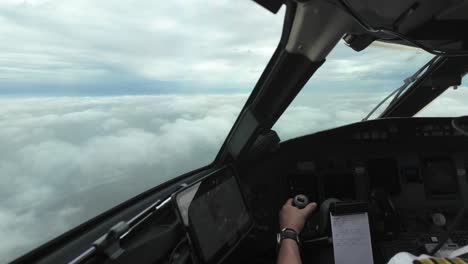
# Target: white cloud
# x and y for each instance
(315, 112)
(64, 160)
(450, 103)
(377, 65)
(79, 40)
(205, 43)
(22, 2)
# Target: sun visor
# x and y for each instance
(272, 5)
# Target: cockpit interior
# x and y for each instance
(410, 172)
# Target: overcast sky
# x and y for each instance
(70, 47)
(104, 99)
(109, 47)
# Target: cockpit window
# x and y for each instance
(348, 86)
(102, 100)
(452, 103)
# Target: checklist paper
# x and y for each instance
(351, 239)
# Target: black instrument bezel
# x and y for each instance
(211, 180)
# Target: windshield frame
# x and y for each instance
(438, 78)
(223, 155)
(254, 120)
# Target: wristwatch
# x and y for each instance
(287, 233)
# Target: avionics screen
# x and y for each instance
(383, 174)
(339, 185)
(215, 214)
(440, 178)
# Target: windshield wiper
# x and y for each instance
(399, 91)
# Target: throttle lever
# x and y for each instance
(300, 201)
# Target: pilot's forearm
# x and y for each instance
(289, 252)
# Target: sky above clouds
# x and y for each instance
(86, 46)
(102, 100)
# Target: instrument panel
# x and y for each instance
(409, 171)
(416, 161)
(412, 180)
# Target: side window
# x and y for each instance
(453, 102)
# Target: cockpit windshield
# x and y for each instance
(348, 86)
(103, 100)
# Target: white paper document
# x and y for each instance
(351, 239)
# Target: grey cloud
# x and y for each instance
(214, 44)
(310, 113)
(64, 160)
(175, 40)
(450, 103)
(380, 64)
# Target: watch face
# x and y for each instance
(290, 233)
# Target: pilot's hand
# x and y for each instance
(293, 217)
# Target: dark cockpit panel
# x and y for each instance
(417, 160)
(407, 170)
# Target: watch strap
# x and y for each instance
(288, 233)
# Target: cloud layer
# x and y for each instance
(65, 160)
(105, 47)
(84, 41)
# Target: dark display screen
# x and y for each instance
(217, 215)
(440, 177)
(339, 185)
(383, 175)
